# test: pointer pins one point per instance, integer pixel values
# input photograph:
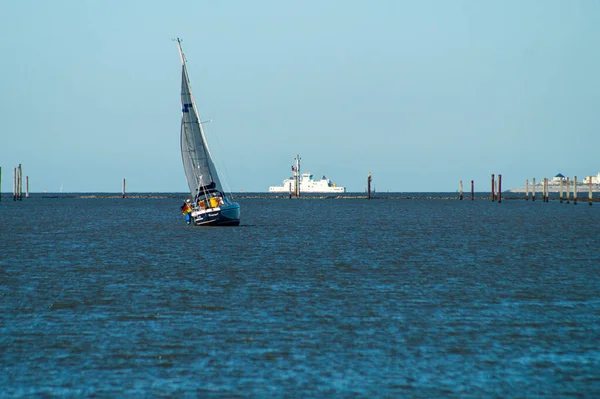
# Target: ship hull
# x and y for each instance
(332, 190)
(227, 215)
(307, 184)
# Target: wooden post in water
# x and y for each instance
(496, 185)
(590, 190)
(460, 191)
(567, 191)
(369, 186)
(17, 187)
(0, 183)
(574, 190)
(472, 190)
(26, 186)
(545, 189)
(493, 184)
(499, 188)
(20, 184)
(14, 184)
(123, 195)
(561, 191)
(526, 189)
(533, 189)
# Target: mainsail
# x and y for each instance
(198, 164)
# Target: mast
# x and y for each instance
(199, 167)
(180, 51)
(297, 177)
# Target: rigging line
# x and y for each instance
(204, 156)
(206, 199)
(222, 165)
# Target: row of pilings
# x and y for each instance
(496, 190)
(17, 184)
(460, 190)
(562, 189)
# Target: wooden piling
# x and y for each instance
(533, 190)
(545, 189)
(526, 189)
(123, 195)
(590, 190)
(369, 186)
(568, 192)
(496, 186)
(26, 186)
(561, 191)
(574, 190)
(20, 183)
(499, 188)
(472, 190)
(14, 184)
(493, 184)
(0, 183)
(460, 191)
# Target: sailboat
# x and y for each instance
(209, 205)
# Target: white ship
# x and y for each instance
(306, 183)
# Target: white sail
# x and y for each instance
(209, 205)
(198, 164)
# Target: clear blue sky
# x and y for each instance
(420, 93)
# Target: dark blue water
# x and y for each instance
(307, 298)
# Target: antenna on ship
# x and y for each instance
(297, 177)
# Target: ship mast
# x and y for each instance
(297, 177)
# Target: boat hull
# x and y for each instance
(226, 215)
(308, 185)
(330, 190)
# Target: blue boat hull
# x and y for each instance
(226, 215)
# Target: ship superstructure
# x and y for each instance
(306, 183)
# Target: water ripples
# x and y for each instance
(310, 298)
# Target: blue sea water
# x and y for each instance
(393, 297)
